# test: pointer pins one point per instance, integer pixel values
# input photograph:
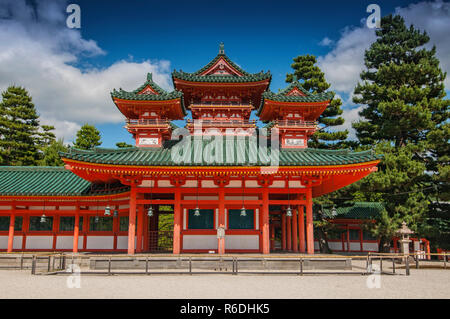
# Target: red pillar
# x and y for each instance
(132, 220)
(289, 233)
(309, 222)
(177, 217)
(294, 230)
(76, 229)
(301, 228)
(12, 219)
(265, 222)
(283, 231)
(140, 224)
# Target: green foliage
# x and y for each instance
(51, 153)
(313, 80)
(19, 128)
(88, 137)
(123, 145)
(404, 119)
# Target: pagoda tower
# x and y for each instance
(221, 96)
(149, 110)
(293, 112)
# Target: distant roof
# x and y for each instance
(49, 181)
(155, 93)
(282, 96)
(357, 210)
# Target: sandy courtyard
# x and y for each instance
(423, 283)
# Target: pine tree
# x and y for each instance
(51, 153)
(19, 128)
(88, 137)
(313, 80)
(123, 145)
(404, 94)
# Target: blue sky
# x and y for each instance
(120, 41)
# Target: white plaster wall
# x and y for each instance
(100, 242)
(122, 242)
(17, 242)
(241, 242)
(257, 218)
(66, 242)
(3, 242)
(67, 208)
(39, 242)
(355, 246)
(200, 242)
(370, 246)
(335, 245)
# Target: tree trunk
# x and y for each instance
(384, 246)
(323, 241)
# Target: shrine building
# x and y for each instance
(219, 184)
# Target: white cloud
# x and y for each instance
(39, 52)
(326, 42)
(434, 18)
(343, 64)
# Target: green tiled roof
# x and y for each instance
(283, 97)
(226, 58)
(357, 210)
(231, 150)
(162, 95)
(49, 181)
(221, 78)
(197, 77)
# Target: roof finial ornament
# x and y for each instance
(149, 76)
(294, 78)
(221, 48)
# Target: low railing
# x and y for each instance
(292, 123)
(220, 104)
(219, 123)
(59, 263)
(148, 122)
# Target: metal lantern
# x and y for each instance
(43, 218)
(150, 211)
(107, 210)
(197, 212)
(96, 219)
(243, 212)
(289, 211)
(333, 211)
(116, 213)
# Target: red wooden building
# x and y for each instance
(229, 184)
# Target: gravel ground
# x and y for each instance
(423, 283)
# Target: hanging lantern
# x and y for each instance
(243, 211)
(289, 211)
(116, 213)
(43, 218)
(107, 210)
(150, 211)
(333, 212)
(96, 219)
(197, 212)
